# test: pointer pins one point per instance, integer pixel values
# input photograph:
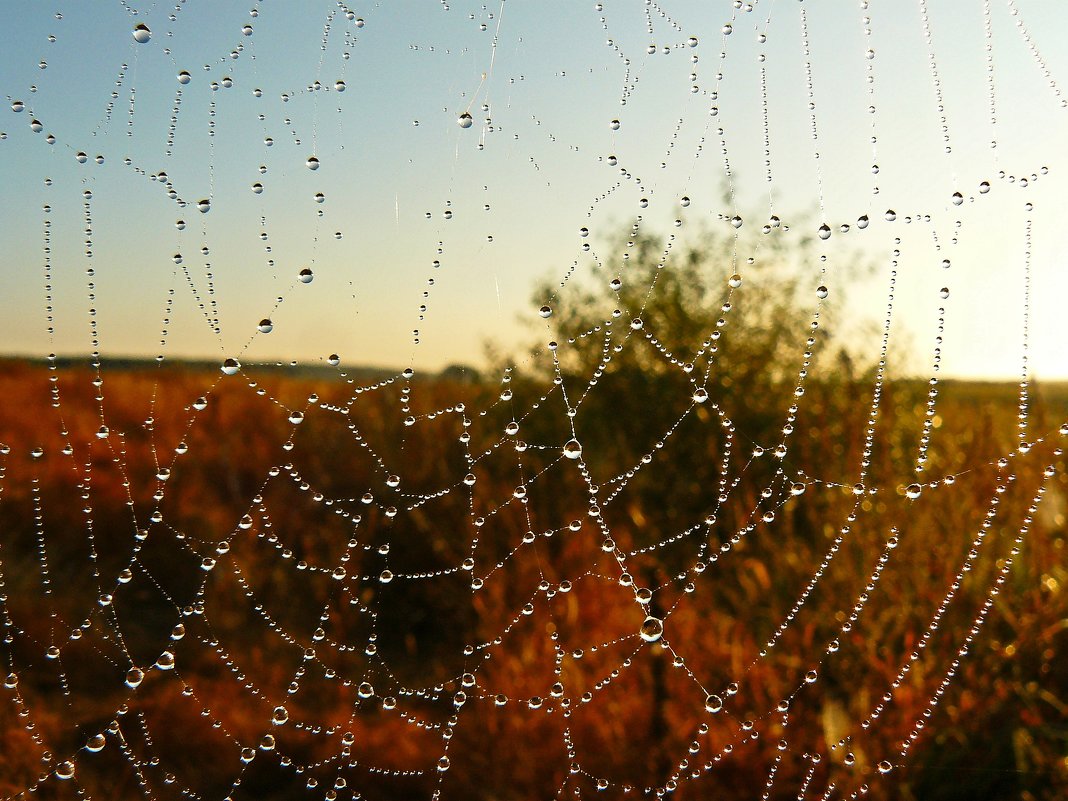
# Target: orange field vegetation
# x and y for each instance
(241, 543)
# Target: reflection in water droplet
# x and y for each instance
(312, 163)
(265, 326)
(141, 33)
(822, 292)
(913, 491)
(184, 77)
(573, 449)
(652, 629)
(230, 366)
(713, 703)
(825, 232)
(465, 120)
(305, 276)
(134, 677)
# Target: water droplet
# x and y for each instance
(257, 188)
(736, 221)
(96, 743)
(305, 276)
(614, 125)
(81, 157)
(339, 86)
(545, 312)
(17, 106)
(141, 33)
(636, 323)
(885, 767)
(573, 449)
(943, 292)
(230, 366)
(957, 198)
(385, 576)
(36, 126)
(296, 418)
(862, 221)
(984, 187)
(443, 764)
(728, 29)
(65, 770)
(465, 120)
(312, 163)
(279, 716)
(692, 41)
(700, 395)
(891, 215)
(913, 491)
(247, 30)
(333, 360)
(134, 677)
(265, 326)
(204, 206)
(652, 629)
(713, 703)
(165, 661)
(825, 232)
(821, 292)
(184, 77)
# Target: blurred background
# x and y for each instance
(522, 400)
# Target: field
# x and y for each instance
(284, 565)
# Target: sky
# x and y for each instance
(416, 210)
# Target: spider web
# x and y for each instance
(702, 536)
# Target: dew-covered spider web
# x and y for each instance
(533, 399)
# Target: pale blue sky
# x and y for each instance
(553, 85)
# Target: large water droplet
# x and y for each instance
(573, 449)
(652, 629)
(913, 491)
(305, 276)
(96, 743)
(265, 326)
(134, 677)
(184, 77)
(465, 120)
(141, 33)
(230, 366)
(312, 163)
(713, 703)
(825, 232)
